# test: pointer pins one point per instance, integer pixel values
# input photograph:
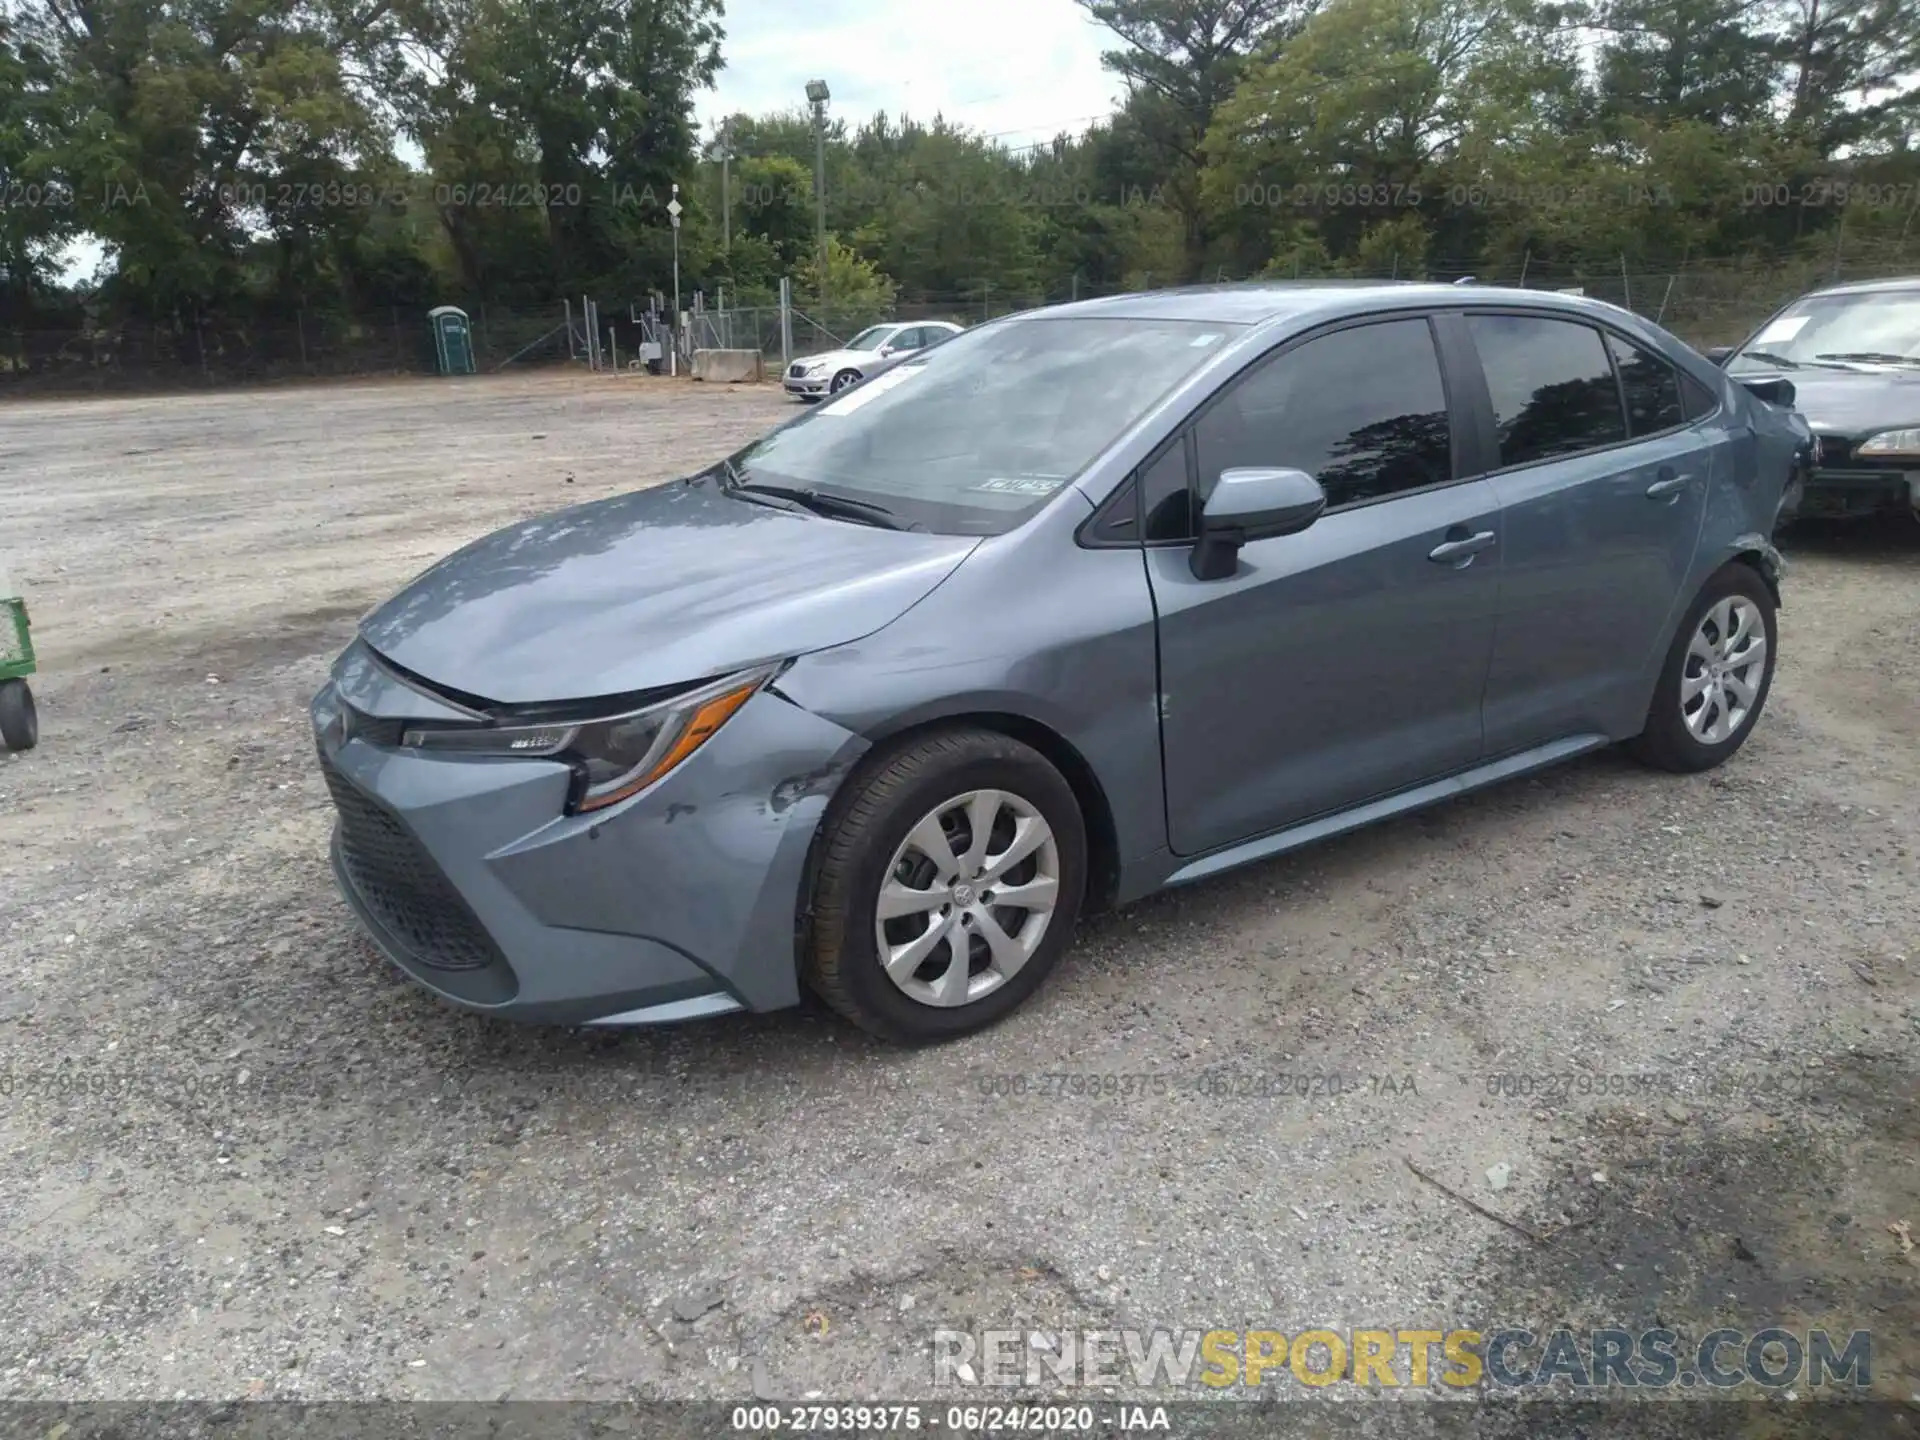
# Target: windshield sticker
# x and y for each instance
(1784, 329)
(871, 391)
(1020, 484)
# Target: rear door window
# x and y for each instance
(1552, 386)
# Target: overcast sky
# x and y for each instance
(1028, 67)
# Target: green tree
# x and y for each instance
(1852, 71)
(38, 215)
(192, 132)
(1351, 125)
(1181, 60)
(852, 284)
(1666, 61)
(566, 120)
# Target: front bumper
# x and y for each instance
(1831, 494)
(1840, 485)
(682, 901)
(807, 386)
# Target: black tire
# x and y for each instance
(19, 721)
(860, 835)
(1667, 743)
(843, 380)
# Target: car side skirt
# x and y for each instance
(674, 1012)
(1307, 832)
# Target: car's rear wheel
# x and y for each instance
(843, 380)
(949, 881)
(1717, 675)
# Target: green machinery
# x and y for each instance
(19, 723)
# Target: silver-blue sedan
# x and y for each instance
(1083, 603)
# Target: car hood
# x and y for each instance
(1854, 402)
(659, 587)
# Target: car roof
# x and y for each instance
(1256, 302)
(1864, 287)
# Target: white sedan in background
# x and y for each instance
(874, 349)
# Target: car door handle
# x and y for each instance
(1459, 553)
(1671, 482)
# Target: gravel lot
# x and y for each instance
(245, 1159)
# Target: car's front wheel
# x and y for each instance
(949, 880)
(1717, 675)
(843, 380)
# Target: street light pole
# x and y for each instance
(726, 187)
(673, 212)
(817, 96)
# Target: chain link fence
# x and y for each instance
(198, 351)
(1705, 304)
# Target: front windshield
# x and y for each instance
(871, 338)
(1840, 332)
(978, 433)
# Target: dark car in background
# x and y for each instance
(1852, 355)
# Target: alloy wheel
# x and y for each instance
(967, 897)
(1721, 674)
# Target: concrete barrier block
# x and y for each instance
(728, 367)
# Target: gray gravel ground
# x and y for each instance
(245, 1159)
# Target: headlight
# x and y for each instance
(614, 756)
(817, 368)
(1892, 442)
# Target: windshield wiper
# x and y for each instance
(1768, 357)
(732, 484)
(1870, 357)
(864, 512)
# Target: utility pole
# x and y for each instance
(817, 96)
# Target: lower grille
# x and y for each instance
(398, 882)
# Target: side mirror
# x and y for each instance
(1252, 505)
(1777, 391)
(886, 352)
(1720, 354)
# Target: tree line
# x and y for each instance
(250, 160)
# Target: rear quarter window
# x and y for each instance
(1696, 399)
(1652, 388)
